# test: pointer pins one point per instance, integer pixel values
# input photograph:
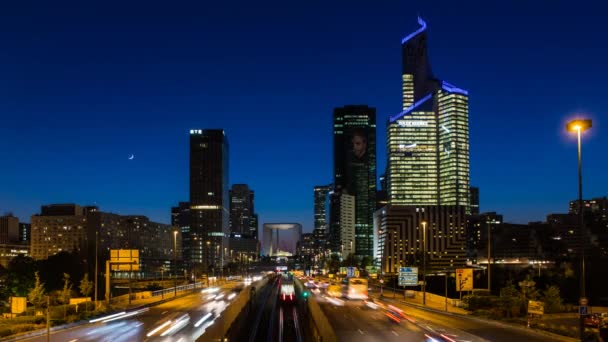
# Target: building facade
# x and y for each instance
(180, 218)
(321, 222)
(9, 229)
(474, 200)
(11, 250)
(355, 167)
(58, 227)
(401, 235)
(243, 220)
(281, 239)
(428, 142)
(209, 200)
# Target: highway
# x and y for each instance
(489, 331)
(356, 321)
(270, 319)
(189, 316)
(352, 321)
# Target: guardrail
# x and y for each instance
(181, 288)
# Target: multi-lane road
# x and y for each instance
(188, 317)
(356, 321)
(271, 319)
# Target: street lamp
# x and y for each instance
(578, 126)
(175, 262)
(423, 262)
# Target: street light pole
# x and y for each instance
(175, 263)
(579, 126)
(96, 272)
(424, 263)
(489, 247)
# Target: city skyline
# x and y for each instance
(89, 163)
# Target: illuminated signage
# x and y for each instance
(412, 123)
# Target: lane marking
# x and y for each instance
(74, 340)
(361, 332)
(164, 312)
(394, 333)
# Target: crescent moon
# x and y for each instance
(131, 157)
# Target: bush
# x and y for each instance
(475, 302)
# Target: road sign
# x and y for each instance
(464, 279)
(371, 269)
(582, 310)
(583, 301)
(125, 259)
(350, 272)
(408, 276)
(536, 307)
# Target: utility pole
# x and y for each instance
(48, 318)
(96, 272)
(489, 247)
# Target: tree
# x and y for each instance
(86, 286)
(36, 294)
(66, 293)
(552, 299)
(18, 277)
(509, 299)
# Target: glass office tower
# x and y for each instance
(428, 142)
(355, 168)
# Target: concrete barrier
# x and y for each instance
(221, 325)
(318, 322)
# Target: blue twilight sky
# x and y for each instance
(84, 85)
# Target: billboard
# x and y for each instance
(357, 158)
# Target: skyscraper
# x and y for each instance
(428, 142)
(321, 216)
(180, 218)
(242, 217)
(209, 200)
(474, 200)
(355, 168)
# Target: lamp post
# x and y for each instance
(423, 262)
(96, 272)
(175, 263)
(578, 126)
(489, 246)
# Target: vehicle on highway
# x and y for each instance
(356, 288)
(334, 290)
(287, 293)
(170, 324)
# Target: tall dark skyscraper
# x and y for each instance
(321, 192)
(243, 220)
(428, 142)
(209, 200)
(474, 200)
(355, 168)
(180, 218)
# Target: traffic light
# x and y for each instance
(305, 294)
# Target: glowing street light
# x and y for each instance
(579, 126)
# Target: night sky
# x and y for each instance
(82, 87)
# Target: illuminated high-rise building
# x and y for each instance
(320, 232)
(209, 201)
(428, 142)
(355, 168)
